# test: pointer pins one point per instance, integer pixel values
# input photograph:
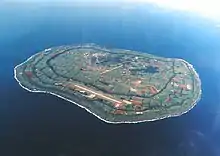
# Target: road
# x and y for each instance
(112, 69)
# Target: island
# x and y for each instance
(115, 85)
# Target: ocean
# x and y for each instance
(33, 124)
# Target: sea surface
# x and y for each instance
(37, 124)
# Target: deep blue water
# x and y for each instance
(38, 124)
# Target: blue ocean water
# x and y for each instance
(38, 124)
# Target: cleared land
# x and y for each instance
(116, 85)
